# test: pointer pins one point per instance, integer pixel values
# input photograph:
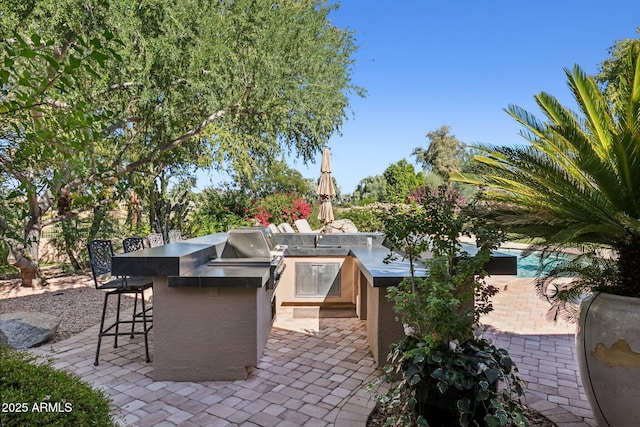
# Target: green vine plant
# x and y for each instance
(444, 372)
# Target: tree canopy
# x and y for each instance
(96, 93)
(370, 189)
(444, 154)
(401, 179)
(277, 177)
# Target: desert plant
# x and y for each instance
(220, 210)
(577, 183)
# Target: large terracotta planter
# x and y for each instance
(608, 344)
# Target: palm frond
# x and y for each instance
(569, 281)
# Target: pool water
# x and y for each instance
(530, 266)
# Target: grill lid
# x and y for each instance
(248, 242)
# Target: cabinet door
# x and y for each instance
(317, 279)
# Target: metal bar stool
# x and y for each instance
(174, 235)
(100, 253)
(131, 244)
(155, 240)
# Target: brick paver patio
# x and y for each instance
(314, 372)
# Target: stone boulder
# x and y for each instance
(24, 329)
(341, 226)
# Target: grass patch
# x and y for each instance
(35, 393)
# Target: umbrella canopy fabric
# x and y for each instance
(326, 212)
(325, 166)
(325, 189)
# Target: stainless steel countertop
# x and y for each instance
(370, 260)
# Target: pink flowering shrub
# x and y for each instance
(279, 208)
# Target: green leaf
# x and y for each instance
(411, 370)
(14, 194)
(28, 53)
(115, 54)
(492, 421)
(492, 375)
(95, 42)
(438, 374)
(482, 395)
(464, 405)
(415, 379)
(507, 362)
(91, 71)
(35, 38)
(100, 57)
(51, 60)
(74, 62)
(4, 77)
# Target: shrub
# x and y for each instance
(221, 210)
(365, 218)
(33, 393)
(278, 208)
(443, 372)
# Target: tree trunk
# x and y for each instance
(25, 255)
(29, 270)
(629, 263)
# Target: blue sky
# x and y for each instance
(427, 63)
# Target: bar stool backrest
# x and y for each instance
(174, 235)
(132, 244)
(100, 253)
(155, 240)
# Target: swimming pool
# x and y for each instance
(530, 266)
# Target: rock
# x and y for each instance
(24, 329)
(342, 226)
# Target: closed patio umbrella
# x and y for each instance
(325, 189)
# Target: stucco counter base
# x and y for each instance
(209, 333)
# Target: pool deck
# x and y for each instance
(314, 372)
(543, 351)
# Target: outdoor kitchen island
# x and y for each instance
(363, 278)
(211, 322)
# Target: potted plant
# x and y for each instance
(444, 372)
(578, 185)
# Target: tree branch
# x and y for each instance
(73, 213)
(173, 144)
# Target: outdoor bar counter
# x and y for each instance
(376, 276)
(208, 323)
(213, 323)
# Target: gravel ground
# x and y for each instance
(72, 298)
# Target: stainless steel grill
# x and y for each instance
(253, 247)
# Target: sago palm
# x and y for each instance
(578, 181)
